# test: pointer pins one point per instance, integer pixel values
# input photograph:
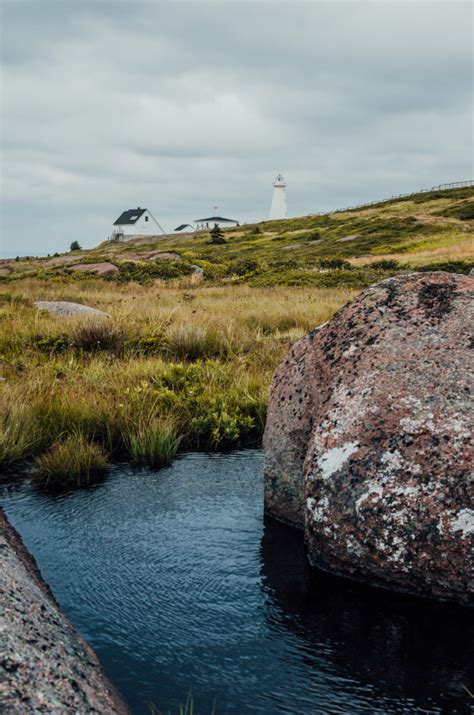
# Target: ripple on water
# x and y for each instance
(178, 583)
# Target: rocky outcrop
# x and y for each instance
(46, 666)
(65, 308)
(367, 442)
(100, 269)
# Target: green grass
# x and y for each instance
(263, 254)
(151, 443)
(73, 461)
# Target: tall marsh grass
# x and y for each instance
(75, 461)
(163, 373)
(153, 444)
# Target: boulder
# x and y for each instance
(46, 665)
(367, 443)
(65, 308)
(101, 269)
(4, 271)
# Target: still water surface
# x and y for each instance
(179, 583)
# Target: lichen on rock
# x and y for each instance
(368, 439)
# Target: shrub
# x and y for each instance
(463, 211)
(334, 263)
(144, 272)
(449, 266)
(153, 444)
(75, 246)
(243, 267)
(73, 461)
(96, 336)
(386, 264)
(51, 343)
(313, 236)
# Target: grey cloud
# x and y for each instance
(182, 105)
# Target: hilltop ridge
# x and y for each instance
(430, 230)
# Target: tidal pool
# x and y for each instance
(180, 584)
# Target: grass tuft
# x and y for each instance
(96, 336)
(152, 444)
(75, 461)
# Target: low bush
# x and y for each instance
(463, 211)
(243, 267)
(334, 263)
(386, 264)
(449, 266)
(145, 272)
(73, 461)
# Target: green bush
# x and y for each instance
(449, 266)
(386, 264)
(51, 343)
(463, 211)
(143, 272)
(334, 263)
(243, 267)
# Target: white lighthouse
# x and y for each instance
(278, 208)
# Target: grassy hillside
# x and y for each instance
(186, 364)
(351, 248)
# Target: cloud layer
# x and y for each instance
(181, 106)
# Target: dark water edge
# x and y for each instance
(179, 583)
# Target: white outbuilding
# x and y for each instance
(135, 223)
(211, 221)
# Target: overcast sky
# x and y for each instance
(182, 106)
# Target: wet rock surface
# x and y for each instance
(46, 666)
(368, 438)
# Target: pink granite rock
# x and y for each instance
(101, 269)
(368, 438)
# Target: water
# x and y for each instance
(179, 584)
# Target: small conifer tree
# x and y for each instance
(216, 235)
(75, 246)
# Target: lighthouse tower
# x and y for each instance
(278, 208)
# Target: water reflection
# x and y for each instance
(396, 646)
(167, 574)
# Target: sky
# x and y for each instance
(182, 106)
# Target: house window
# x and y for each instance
(146, 218)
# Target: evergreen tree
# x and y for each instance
(75, 246)
(216, 235)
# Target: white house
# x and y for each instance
(211, 221)
(134, 223)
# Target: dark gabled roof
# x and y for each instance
(183, 225)
(129, 217)
(216, 218)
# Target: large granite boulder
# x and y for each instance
(368, 443)
(46, 667)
